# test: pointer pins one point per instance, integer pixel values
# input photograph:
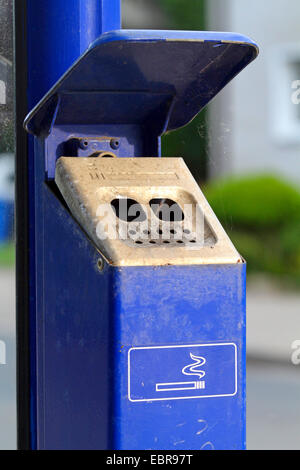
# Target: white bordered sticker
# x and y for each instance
(182, 372)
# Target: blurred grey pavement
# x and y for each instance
(273, 382)
(8, 371)
(273, 406)
(273, 321)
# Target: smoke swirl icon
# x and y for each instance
(189, 370)
(192, 368)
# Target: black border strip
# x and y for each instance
(22, 227)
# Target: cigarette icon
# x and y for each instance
(178, 386)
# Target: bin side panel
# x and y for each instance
(89, 327)
(170, 318)
(72, 334)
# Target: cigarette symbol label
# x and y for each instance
(180, 386)
(182, 372)
(191, 369)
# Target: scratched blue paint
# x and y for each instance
(179, 306)
(86, 324)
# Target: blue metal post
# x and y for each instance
(112, 335)
(58, 33)
(51, 35)
(113, 329)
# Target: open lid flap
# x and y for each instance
(134, 76)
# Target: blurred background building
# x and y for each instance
(244, 151)
(255, 116)
(6, 122)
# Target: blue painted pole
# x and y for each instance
(108, 359)
(58, 32)
(50, 36)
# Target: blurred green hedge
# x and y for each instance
(186, 14)
(7, 255)
(261, 214)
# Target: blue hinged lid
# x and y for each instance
(162, 77)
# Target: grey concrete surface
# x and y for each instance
(273, 419)
(8, 371)
(273, 320)
(273, 406)
(8, 397)
(7, 302)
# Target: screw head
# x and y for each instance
(115, 144)
(84, 144)
(100, 264)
